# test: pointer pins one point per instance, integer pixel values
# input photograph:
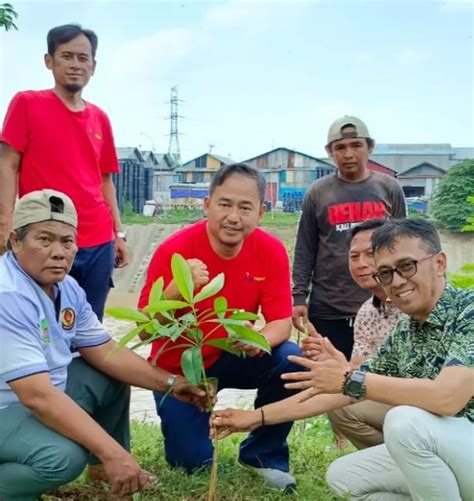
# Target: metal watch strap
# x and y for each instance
(347, 378)
(170, 381)
(354, 385)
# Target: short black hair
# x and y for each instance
(66, 33)
(388, 234)
(369, 224)
(243, 170)
(20, 234)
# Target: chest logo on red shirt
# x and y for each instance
(68, 317)
(95, 134)
(250, 278)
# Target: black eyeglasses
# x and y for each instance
(405, 270)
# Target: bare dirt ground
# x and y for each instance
(142, 242)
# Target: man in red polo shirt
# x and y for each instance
(54, 139)
(257, 277)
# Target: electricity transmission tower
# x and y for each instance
(173, 148)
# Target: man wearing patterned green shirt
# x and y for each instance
(424, 369)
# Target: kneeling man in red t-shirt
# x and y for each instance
(257, 278)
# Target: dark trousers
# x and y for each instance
(92, 268)
(34, 458)
(339, 331)
(186, 429)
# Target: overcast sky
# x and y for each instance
(262, 74)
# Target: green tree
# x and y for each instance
(470, 220)
(450, 206)
(465, 276)
(7, 17)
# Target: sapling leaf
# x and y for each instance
(169, 315)
(127, 314)
(187, 318)
(182, 276)
(195, 334)
(220, 306)
(243, 315)
(191, 363)
(128, 337)
(225, 344)
(210, 289)
(156, 292)
(176, 332)
(248, 336)
(155, 328)
(225, 321)
(165, 305)
(149, 328)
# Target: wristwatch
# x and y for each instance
(121, 234)
(354, 385)
(170, 382)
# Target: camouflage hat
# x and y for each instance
(335, 131)
(44, 205)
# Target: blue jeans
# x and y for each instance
(92, 268)
(186, 429)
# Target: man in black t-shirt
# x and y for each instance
(332, 206)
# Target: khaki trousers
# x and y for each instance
(425, 458)
(361, 423)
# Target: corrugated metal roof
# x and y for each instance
(463, 153)
(224, 160)
(129, 153)
(194, 169)
(429, 166)
(292, 151)
(413, 149)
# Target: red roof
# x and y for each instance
(377, 167)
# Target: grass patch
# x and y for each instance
(175, 216)
(282, 220)
(311, 449)
(279, 219)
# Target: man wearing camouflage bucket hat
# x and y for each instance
(56, 416)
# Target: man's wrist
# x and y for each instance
(121, 234)
(354, 384)
(299, 299)
(170, 383)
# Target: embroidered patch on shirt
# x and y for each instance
(44, 331)
(68, 317)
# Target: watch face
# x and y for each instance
(353, 387)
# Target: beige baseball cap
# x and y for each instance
(335, 131)
(44, 205)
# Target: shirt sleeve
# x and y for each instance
(15, 125)
(21, 351)
(108, 160)
(89, 331)
(276, 299)
(461, 351)
(306, 249)
(399, 204)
